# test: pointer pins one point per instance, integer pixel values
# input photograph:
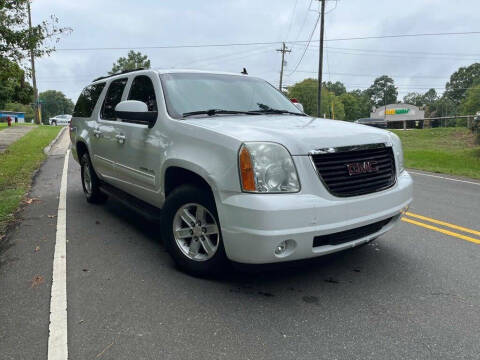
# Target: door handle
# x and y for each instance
(120, 138)
(97, 133)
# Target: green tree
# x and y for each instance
(16, 39)
(471, 104)
(27, 109)
(414, 98)
(134, 60)
(383, 91)
(461, 80)
(352, 106)
(54, 103)
(13, 87)
(306, 93)
(337, 87)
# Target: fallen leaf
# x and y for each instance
(85, 270)
(37, 280)
(37, 249)
(30, 200)
(97, 222)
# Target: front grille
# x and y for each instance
(349, 235)
(333, 170)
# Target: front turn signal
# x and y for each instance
(246, 170)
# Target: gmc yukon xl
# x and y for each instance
(234, 170)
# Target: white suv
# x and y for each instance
(60, 120)
(238, 172)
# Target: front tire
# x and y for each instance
(90, 182)
(191, 231)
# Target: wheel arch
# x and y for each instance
(176, 175)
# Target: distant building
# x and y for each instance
(18, 117)
(396, 115)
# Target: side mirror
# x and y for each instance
(136, 112)
(299, 106)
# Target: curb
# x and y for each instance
(47, 148)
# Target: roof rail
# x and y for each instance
(120, 73)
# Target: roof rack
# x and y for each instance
(120, 73)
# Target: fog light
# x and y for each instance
(285, 248)
(280, 249)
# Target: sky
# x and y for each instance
(415, 63)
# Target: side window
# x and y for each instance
(142, 90)
(87, 100)
(113, 97)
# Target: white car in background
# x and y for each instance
(60, 120)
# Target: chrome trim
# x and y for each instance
(331, 150)
(353, 148)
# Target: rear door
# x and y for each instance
(139, 148)
(104, 133)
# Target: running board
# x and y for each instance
(149, 211)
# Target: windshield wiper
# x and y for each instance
(212, 112)
(277, 111)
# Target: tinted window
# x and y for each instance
(113, 97)
(87, 100)
(142, 90)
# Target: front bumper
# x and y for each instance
(254, 224)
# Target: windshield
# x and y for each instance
(197, 92)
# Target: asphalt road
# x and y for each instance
(413, 294)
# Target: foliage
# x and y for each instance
(27, 109)
(414, 98)
(461, 80)
(471, 104)
(306, 93)
(17, 165)
(337, 87)
(383, 91)
(16, 39)
(54, 103)
(134, 60)
(13, 87)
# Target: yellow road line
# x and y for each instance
(443, 231)
(453, 226)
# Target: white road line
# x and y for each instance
(444, 178)
(57, 338)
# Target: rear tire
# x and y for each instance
(191, 231)
(90, 182)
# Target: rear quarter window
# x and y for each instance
(87, 100)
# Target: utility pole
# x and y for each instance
(32, 60)
(320, 60)
(283, 50)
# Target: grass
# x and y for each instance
(443, 150)
(17, 165)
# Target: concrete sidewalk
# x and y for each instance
(12, 134)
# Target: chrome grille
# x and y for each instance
(334, 166)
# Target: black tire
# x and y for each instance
(54, 123)
(181, 196)
(92, 192)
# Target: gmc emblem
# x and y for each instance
(362, 167)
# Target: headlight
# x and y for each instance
(398, 150)
(267, 168)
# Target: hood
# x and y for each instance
(299, 134)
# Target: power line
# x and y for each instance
(292, 17)
(306, 46)
(267, 42)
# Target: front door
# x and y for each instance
(138, 147)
